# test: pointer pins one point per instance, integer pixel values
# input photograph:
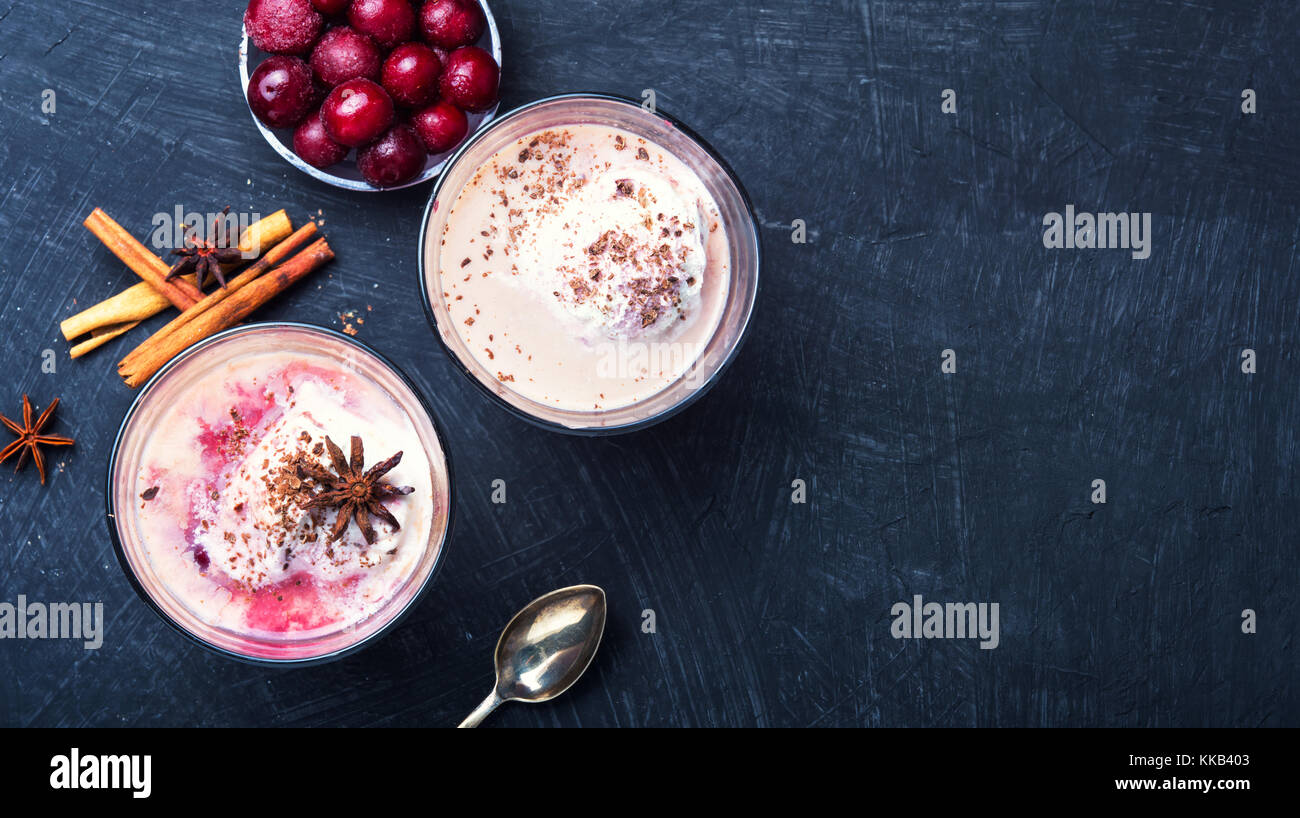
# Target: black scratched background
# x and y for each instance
(924, 233)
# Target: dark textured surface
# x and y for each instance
(924, 235)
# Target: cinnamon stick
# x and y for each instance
(133, 304)
(102, 335)
(221, 316)
(142, 301)
(182, 294)
(119, 314)
(277, 255)
(264, 234)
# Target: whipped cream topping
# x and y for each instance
(224, 527)
(617, 250)
(584, 266)
(256, 530)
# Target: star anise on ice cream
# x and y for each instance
(205, 256)
(356, 493)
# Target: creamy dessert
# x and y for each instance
(583, 266)
(271, 502)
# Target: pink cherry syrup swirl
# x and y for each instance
(297, 602)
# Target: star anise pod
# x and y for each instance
(357, 494)
(30, 439)
(205, 256)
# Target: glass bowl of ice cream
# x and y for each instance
(590, 264)
(280, 493)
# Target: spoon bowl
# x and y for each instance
(545, 648)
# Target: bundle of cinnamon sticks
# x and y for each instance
(289, 259)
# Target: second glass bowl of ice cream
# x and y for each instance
(209, 481)
(590, 264)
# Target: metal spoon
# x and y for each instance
(545, 648)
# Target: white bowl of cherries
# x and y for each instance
(370, 94)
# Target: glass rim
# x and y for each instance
(120, 550)
(693, 395)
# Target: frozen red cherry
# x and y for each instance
(389, 22)
(440, 127)
(357, 113)
(331, 6)
(395, 159)
(315, 146)
(452, 23)
(344, 54)
(469, 79)
(411, 73)
(283, 26)
(280, 92)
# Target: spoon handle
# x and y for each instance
(481, 712)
